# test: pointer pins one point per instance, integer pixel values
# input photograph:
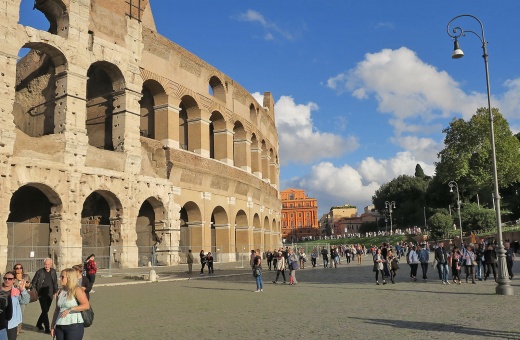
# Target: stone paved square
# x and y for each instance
(326, 303)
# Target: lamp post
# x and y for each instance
(503, 283)
(389, 205)
(452, 184)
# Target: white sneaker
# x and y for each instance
(257, 291)
(261, 290)
(92, 291)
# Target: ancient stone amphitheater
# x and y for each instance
(118, 142)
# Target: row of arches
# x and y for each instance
(35, 225)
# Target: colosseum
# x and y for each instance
(118, 142)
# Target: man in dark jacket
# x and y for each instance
(442, 263)
(45, 281)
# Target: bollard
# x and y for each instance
(153, 276)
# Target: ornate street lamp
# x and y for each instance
(389, 205)
(452, 184)
(503, 283)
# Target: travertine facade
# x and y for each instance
(112, 135)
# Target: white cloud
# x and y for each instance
(332, 185)
(300, 141)
(270, 27)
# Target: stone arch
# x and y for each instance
(105, 100)
(220, 240)
(241, 147)
(191, 227)
(265, 161)
(33, 225)
(153, 99)
(217, 145)
(56, 13)
(39, 90)
(257, 232)
(253, 114)
(217, 89)
(256, 156)
(149, 229)
(242, 243)
(272, 167)
(189, 110)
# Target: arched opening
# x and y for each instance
(101, 226)
(191, 228)
(257, 232)
(105, 99)
(150, 222)
(220, 243)
(39, 78)
(153, 100)
(265, 161)
(189, 110)
(217, 89)
(253, 114)
(242, 243)
(240, 149)
(217, 136)
(256, 154)
(55, 18)
(32, 226)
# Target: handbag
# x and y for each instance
(33, 293)
(88, 317)
(375, 267)
(473, 262)
(257, 272)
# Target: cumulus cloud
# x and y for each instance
(270, 27)
(300, 142)
(337, 185)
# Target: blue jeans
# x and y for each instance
(480, 269)
(69, 332)
(444, 271)
(259, 283)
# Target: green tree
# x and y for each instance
(409, 195)
(475, 218)
(440, 224)
(466, 157)
(419, 171)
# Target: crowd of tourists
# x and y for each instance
(70, 294)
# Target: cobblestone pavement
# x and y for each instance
(326, 303)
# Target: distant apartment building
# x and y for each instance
(299, 215)
(352, 225)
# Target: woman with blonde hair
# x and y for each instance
(67, 323)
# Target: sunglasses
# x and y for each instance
(8, 278)
(16, 268)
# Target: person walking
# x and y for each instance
(67, 322)
(393, 264)
(359, 251)
(325, 255)
(424, 259)
(441, 256)
(280, 267)
(378, 266)
(480, 261)
(209, 262)
(302, 257)
(257, 269)
(413, 260)
(6, 313)
(455, 263)
(19, 276)
(490, 256)
(314, 256)
(83, 282)
(269, 256)
(19, 296)
(202, 261)
(293, 266)
(469, 263)
(189, 260)
(510, 257)
(90, 268)
(45, 281)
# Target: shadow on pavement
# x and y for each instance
(441, 327)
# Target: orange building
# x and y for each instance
(299, 215)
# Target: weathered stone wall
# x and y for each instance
(66, 134)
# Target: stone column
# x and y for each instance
(242, 154)
(167, 125)
(224, 145)
(198, 136)
(273, 172)
(256, 161)
(265, 167)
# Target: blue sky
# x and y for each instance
(363, 89)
